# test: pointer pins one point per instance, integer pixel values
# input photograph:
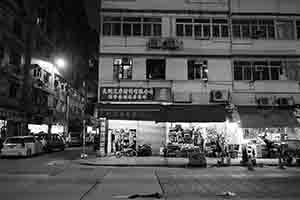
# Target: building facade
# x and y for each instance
(33, 91)
(12, 48)
(185, 61)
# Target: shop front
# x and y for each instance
(201, 128)
(178, 127)
(266, 128)
(131, 117)
(12, 122)
(130, 125)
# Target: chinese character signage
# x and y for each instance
(131, 115)
(126, 94)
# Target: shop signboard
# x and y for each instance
(126, 94)
(103, 130)
(162, 94)
(131, 115)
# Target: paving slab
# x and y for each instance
(120, 183)
(156, 161)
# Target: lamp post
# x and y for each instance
(84, 154)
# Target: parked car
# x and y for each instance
(21, 146)
(75, 139)
(52, 142)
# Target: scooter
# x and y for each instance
(127, 151)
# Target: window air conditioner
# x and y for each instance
(259, 68)
(171, 43)
(263, 101)
(284, 101)
(126, 61)
(154, 43)
(219, 96)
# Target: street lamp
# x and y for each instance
(60, 62)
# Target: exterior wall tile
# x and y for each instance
(282, 6)
(139, 69)
(106, 68)
(166, 5)
(176, 69)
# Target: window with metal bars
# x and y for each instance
(202, 28)
(131, 26)
(253, 29)
(122, 68)
(197, 69)
(258, 70)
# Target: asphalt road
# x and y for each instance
(41, 164)
(57, 176)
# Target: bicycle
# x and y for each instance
(129, 152)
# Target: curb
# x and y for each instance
(170, 166)
(132, 165)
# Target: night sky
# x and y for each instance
(92, 13)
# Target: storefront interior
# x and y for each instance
(38, 128)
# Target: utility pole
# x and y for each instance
(99, 77)
(84, 155)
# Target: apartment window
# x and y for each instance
(37, 72)
(131, 26)
(258, 70)
(14, 58)
(156, 69)
(13, 88)
(197, 69)
(276, 70)
(285, 29)
(17, 28)
(122, 68)
(202, 28)
(243, 70)
(261, 70)
(220, 28)
(184, 27)
(46, 77)
(298, 29)
(1, 52)
(238, 72)
(253, 28)
(197, 28)
(151, 26)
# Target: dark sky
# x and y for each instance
(92, 13)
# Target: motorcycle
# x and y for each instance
(128, 151)
(144, 150)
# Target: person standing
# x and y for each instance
(113, 138)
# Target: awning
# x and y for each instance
(195, 113)
(163, 113)
(254, 117)
(143, 112)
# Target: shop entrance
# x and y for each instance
(145, 137)
(209, 138)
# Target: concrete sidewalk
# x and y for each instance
(157, 161)
(124, 182)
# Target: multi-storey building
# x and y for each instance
(33, 91)
(185, 60)
(12, 47)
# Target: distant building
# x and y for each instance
(34, 33)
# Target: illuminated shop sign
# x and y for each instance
(126, 94)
